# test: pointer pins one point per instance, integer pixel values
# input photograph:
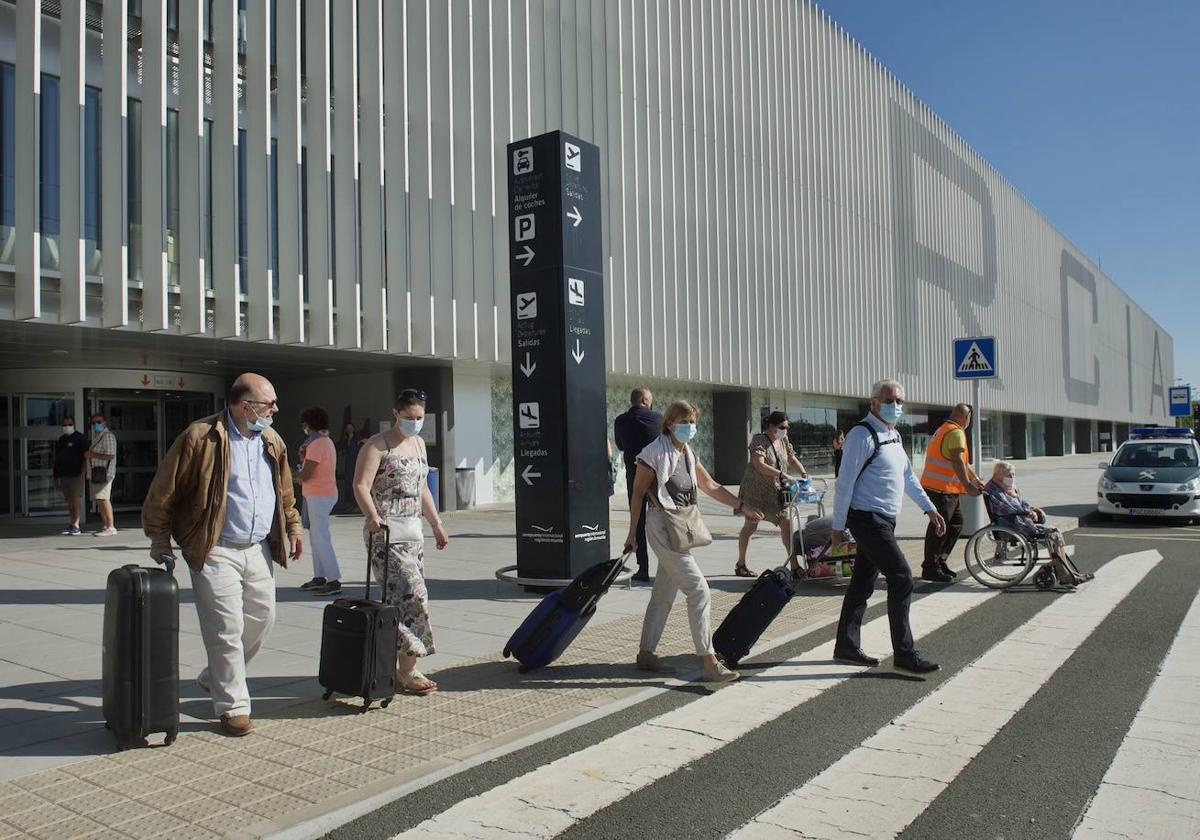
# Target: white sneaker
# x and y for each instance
(107, 532)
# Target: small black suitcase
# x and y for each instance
(751, 616)
(558, 618)
(140, 658)
(358, 643)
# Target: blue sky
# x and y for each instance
(1090, 109)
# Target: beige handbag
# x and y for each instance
(685, 527)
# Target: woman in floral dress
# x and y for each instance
(390, 487)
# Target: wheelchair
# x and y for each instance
(999, 557)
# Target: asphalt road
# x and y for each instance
(1033, 780)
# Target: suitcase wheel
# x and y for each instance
(507, 653)
(385, 703)
(171, 736)
(366, 707)
(327, 694)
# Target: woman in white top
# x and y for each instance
(668, 475)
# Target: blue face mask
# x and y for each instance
(891, 412)
(411, 428)
(259, 424)
(685, 431)
(98, 427)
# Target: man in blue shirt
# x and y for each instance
(875, 476)
(634, 430)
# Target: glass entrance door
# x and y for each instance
(145, 425)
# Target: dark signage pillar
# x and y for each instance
(558, 359)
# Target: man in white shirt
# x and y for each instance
(875, 476)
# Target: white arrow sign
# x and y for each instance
(574, 214)
(578, 353)
(527, 256)
(529, 475)
(529, 367)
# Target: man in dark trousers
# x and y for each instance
(634, 430)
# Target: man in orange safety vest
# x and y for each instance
(946, 476)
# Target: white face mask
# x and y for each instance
(781, 434)
(68, 430)
(1008, 481)
(409, 427)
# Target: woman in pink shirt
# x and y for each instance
(318, 464)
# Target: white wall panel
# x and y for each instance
(192, 301)
(317, 164)
(227, 292)
(113, 108)
(371, 213)
(154, 123)
(70, 125)
(288, 158)
(261, 310)
(345, 173)
(396, 183)
(28, 79)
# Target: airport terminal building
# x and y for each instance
(316, 190)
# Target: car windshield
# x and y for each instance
(1157, 454)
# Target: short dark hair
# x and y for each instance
(239, 392)
(316, 418)
(99, 414)
(67, 417)
(776, 418)
(637, 396)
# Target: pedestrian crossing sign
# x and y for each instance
(975, 358)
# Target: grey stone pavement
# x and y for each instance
(60, 775)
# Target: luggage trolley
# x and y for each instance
(816, 558)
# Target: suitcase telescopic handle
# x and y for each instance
(383, 564)
(167, 560)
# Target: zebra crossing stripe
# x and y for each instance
(1152, 788)
(879, 788)
(552, 798)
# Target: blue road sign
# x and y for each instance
(1181, 401)
(975, 358)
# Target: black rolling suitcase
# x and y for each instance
(558, 618)
(751, 616)
(140, 659)
(358, 643)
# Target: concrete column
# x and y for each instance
(1054, 435)
(1083, 437)
(1120, 435)
(1020, 443)
(732, 419)
(472, 413)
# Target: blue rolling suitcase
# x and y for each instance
(752, 615)
(557, 620)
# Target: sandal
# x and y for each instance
(741, 570)
(798, 572)
(414, 682)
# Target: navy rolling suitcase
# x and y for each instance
(358, 643)
(557, 620)
(140, 658)
(752, 615)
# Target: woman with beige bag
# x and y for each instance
(668, 475)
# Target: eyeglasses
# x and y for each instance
(411, 394)
(895, 400)
(268, 403)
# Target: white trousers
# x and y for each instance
(235, 600)
(325, 564)
(676, 572)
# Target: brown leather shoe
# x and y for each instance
(235, 726)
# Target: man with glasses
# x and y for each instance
(875, 476)
(223, 489)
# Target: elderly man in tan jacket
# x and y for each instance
(223, 489)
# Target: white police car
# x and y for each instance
(1154, 473)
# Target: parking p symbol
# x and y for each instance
(523, 227)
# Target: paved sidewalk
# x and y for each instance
(310, 757)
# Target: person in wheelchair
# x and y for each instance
(1007, 508)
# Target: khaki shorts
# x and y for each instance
(72, 488)
(102, 492)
